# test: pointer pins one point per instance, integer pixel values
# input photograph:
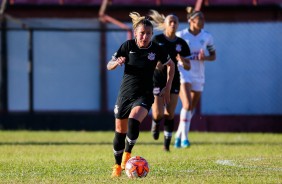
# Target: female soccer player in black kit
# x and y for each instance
(178, 51)
(135, 98)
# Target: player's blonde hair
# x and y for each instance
(137, 19)
(159, 19)
(191, 13)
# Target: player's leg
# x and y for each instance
(185, 115)
(119, 145)
(157, 116)
(197, 88)
(122, 111)
(196, 96)
(169, 120)
(136, 116)
(159, 82)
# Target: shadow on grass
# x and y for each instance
(28, 143)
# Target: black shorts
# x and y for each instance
(160, 82)
(175, 87)
(124, 105)
(157, 90)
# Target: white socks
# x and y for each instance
(184, 124)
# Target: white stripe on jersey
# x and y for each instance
(203, 40)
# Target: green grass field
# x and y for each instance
(87, 157)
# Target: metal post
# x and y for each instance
(103, 74)
(4, 70)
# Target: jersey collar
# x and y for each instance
(150, 44)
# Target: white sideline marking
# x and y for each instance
(225, 162)
(182, 171)
(231, 163)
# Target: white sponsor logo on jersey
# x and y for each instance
(156, 90)
(116, 109)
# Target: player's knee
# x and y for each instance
(169, 115)
(121, 127)
(158, 117)
(119, 143)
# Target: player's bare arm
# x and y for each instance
(210, 57)
(114, 62)
(159, 66)
(170, 74)
(185, 62)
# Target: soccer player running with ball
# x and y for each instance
(135, 98)
(178, 51)
(199, 42)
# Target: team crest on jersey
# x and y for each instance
(151, 56)
(116, 109)
(202, 42)
(178, 47)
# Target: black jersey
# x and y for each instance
(139, 68)
(173, 48)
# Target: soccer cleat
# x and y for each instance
(116, 171)
(166, 149)
(185, 144)
(125, 157)
(167, 140)
(177, 143)
(155, 130)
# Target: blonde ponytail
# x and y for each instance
(137, 19)
(189, 9)
(191, 13)
(158, 19)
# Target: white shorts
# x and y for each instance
(196, 83)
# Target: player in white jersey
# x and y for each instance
(202, 49)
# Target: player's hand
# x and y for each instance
(185, 62)
(120, 60)
(159, 66)
(180, 59)
(201, 55)
(165, 93)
